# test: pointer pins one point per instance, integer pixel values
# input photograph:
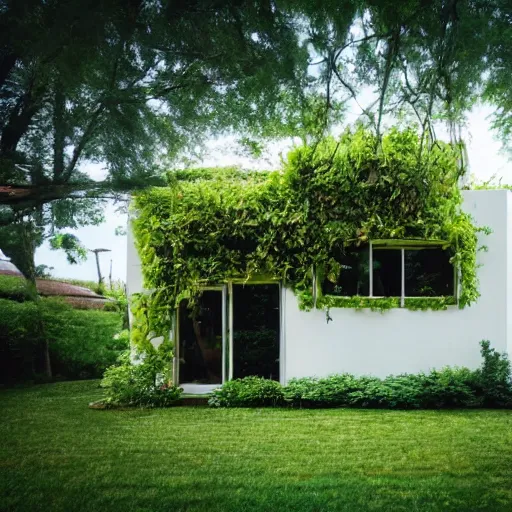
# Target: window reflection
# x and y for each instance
(200, 336)
(428, 273)
(387, 272)
(353, 278)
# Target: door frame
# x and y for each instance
(227, 334)
(189, 387)
(281, 292)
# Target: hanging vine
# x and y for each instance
(210, 226)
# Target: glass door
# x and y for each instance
(202, 341)
(256, 330)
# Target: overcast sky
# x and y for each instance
(485, 161)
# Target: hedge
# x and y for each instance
(83, 343)
(488, 386)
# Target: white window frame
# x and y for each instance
(418, 246)
(190, 387)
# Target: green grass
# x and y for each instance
(58, 455)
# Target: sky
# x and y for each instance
(485, 162)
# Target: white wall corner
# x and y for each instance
(508, 237)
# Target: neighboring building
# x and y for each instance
(293, 343)
(77, 296)
(7, 268)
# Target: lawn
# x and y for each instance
(58, 455)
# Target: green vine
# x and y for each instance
(358, 302)
(425, 303)
(386, 303)
(150, 319)
(210, 226)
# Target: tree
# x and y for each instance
(425, 60)
(132, 83)
(498, 89)
(128, 84)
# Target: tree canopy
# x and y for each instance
(425, 59)
(131, 84)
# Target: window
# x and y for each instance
(353, 278)
(406, 268)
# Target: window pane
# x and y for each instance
(428, 273)
(200, 339)
(387, 272)
(256, 330)
(353, 278)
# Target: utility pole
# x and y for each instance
(96, 253)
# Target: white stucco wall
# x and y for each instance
(133, 265)
(399, 340)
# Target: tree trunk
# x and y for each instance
(59, 131)
(28, 247)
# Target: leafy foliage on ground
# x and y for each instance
(328, 196)
(248, 392)
(489, 386)
(13, 287)
(144, 384)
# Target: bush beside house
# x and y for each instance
(146, 384)
(248, 392)
(83, 342)
(488, 386)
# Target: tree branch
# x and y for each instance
(21, 117)
(390, 55)
(59, 111)
(354, 95)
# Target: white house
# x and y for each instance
(295, 343)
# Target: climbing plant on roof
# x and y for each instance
(209, 226)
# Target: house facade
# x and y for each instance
(258, 328)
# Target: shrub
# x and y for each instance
(449, 387)
(13, 287)
(248, 392)
(19, 339)
(371, 392)
(404, 391)
(493, 381)
(327, 392)
(83, 342)
(145, 384)
(489, 386)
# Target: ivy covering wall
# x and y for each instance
(209, 226)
